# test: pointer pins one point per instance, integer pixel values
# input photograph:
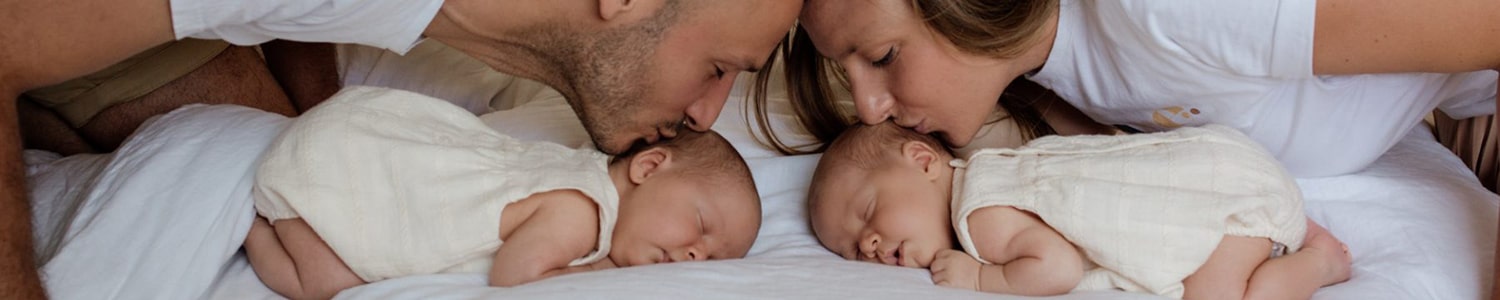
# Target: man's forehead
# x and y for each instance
(750, 30)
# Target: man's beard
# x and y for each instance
(607, 78)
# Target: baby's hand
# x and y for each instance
(956, 269)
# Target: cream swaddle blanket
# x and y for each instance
(399, 183)
(1147, 209)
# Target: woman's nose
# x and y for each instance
(872, 101)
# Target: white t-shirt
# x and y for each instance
(396, 25)
(1157, 65)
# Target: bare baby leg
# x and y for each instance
(293, 261)
(1239, 269)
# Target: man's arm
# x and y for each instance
(18, 273)
(47, 42)
(51, 41)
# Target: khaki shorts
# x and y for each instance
(78, 100)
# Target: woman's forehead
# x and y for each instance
(839, 26)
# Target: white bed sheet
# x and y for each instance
(1418, 223)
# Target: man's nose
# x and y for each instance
(702, 114)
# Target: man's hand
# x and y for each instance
(955, 269)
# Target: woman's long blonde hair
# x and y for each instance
(993, 28)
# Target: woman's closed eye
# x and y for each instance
(890, 55)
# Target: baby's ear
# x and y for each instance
(923, 156)
(648, 162)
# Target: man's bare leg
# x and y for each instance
(308, 72)
(43, 128)
(236, 76)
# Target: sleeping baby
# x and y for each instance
(377, 184)
(1192, 213)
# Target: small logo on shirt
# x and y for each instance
(1173, 117)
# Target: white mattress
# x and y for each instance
(1419, 224)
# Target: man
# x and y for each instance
(635, 71)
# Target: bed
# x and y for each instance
(164, 216)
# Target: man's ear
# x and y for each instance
(648, 162)
(923, 156)
(611, 9)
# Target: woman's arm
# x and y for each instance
(1356, 36)
(565, 227)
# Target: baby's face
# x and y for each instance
(892, 214)
(679, 218)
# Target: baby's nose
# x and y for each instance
(870, 245)
(693, 254)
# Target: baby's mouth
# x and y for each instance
(896, 254)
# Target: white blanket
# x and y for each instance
(160, 217)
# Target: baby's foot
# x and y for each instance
(1331, 251)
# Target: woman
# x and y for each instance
(938, 66)
(1276, 70)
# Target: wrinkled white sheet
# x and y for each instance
(164, 217)
(160, 217)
